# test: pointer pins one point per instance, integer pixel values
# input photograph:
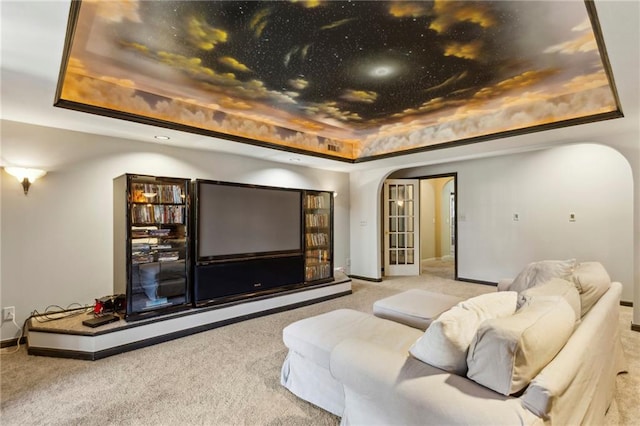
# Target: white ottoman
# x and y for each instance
(415, 308)
(305, 371)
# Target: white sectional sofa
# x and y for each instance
(544, 361)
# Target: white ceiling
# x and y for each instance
(32, 42)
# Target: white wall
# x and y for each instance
(593, 181)
(622, 134)
(67, 215)
(57, 246)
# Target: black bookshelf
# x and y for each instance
(318, 236)
(151, 244)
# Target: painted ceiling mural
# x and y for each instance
(349, 80)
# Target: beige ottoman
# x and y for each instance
(415, 308)
(306, 371)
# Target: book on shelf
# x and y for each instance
(157, 193)
(168, 256)
(317, 255)
(143, 247)
(313, 273)
(153, 213)
(316, 239)
(138, 258)
(142, 231)
(319, 220)
(141, 242)
(315, 202)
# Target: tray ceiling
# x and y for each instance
(349, 80)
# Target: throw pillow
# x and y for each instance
(539, 272)
(555, 287)
(446, 342)
(592, 281)
(507, 353)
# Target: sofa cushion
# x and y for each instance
(555, 287)
(446, 342)
(315, 337)
(508, 352)
(504, 284)
(592, 281)
(542, 271)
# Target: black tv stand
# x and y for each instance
(221, 281)
(255, 240)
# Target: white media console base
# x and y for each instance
(68, 338)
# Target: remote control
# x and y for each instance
(102, 320)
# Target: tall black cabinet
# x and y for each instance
(318, 236)
(151, 244)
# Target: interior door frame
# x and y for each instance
(453, 175)
(408, 268)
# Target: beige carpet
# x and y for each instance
(440, 267)
(226, 376)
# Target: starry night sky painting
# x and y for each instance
(350, 80)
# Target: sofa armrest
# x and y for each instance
(503, 284)
(386, 387)
(586, 366)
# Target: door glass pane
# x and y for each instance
(402, 211)
(393, 192)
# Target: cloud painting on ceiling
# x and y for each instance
(350, 80)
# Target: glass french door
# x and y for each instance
(401, 227)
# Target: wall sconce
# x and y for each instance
(25, 176)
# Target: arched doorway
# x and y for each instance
(420, 230)
(438, 226)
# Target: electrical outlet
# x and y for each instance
(8, 313)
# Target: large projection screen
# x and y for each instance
(237, 220)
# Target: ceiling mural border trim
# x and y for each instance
(370, 135)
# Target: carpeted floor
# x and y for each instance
(226, 376)
(440, 267)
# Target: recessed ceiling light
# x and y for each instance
(162, 138)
